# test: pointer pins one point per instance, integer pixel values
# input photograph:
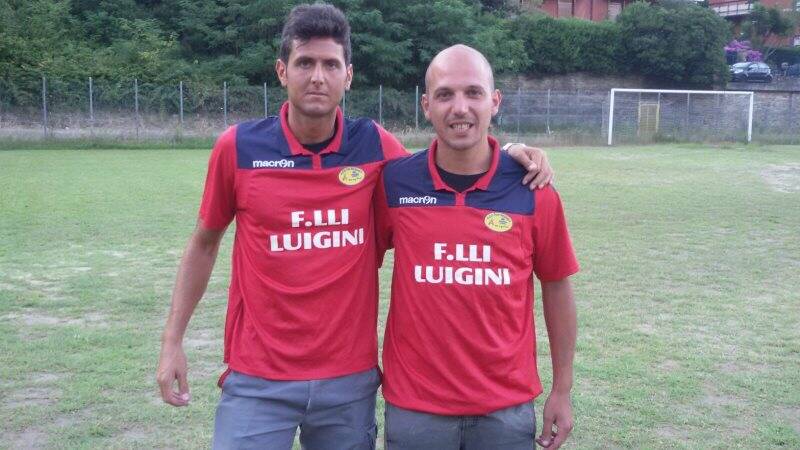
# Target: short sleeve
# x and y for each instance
(218, 206)
(383, 222)
(392, 148)
(553, 255)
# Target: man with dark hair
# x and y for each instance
(459, 355)
(309, 21)
(301, 325)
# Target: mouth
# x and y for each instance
(317, 94)
(461, 126)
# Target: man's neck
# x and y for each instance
(465, 162)
(311, 130)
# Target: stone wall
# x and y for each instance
(571, 82)
(780, 83)
(579, 103)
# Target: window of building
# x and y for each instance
(797, 41)
(614, 8)
(565, 8)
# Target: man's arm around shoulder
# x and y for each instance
(190, 284)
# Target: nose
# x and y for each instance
(317, 75)
(460, 105)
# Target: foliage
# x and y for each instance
(206, 42)
(679, 45)
(764, 25)
(736, 47)
(567, 45)
(784, 55)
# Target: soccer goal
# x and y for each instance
(646, 115)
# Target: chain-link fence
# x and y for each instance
(139, 110)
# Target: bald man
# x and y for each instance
(459, 354)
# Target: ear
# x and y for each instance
(425, 102)
(497, 98)
(280, 69)
(349, 79)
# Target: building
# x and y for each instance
(595, 10)
(737, 12)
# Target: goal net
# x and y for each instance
(648, 115)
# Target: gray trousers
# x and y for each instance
(334, 413)
(506, 429)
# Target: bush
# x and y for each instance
(787, 55)
(678, 45)
(568, 45)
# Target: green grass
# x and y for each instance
(688, 298)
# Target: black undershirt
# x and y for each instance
(320, 146)
(458, 182)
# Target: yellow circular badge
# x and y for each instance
(498, 222)
(351, 176)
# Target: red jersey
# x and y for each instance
(304, 286)
(460, 334)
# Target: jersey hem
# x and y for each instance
(477, 411)
(302, 376)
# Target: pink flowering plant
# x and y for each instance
(745, 47)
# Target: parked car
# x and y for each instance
(751, 71)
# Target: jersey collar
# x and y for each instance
(482, 183)
(296, 148)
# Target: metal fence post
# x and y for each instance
(44, 105)
(225, 102)
(380, 104)
(91, 109)
(180, 101)
(611, 117)
(688, 111)
(750, 117)
(266, 111)
(519, 108)
(136, 104)
(416, 108)
(548, 112)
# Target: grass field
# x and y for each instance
(688, 301)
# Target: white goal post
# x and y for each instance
(688, 93)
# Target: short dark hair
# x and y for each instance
(319, 20)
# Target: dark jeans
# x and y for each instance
(335, 413)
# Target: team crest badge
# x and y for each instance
(351, 176)
(498, 222)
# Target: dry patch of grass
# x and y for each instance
(783, 177)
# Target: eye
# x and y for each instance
(332, 64)
(443, 95)
(475, 93)
(304, 63)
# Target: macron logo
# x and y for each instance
(426, 200)
(282, 163)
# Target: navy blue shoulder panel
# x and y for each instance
(361, 144)
(505, 193)
(407, 182)
(261, 144)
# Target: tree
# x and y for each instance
(567, 45)
(764, 26)
(381, 48)
(680, 45)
